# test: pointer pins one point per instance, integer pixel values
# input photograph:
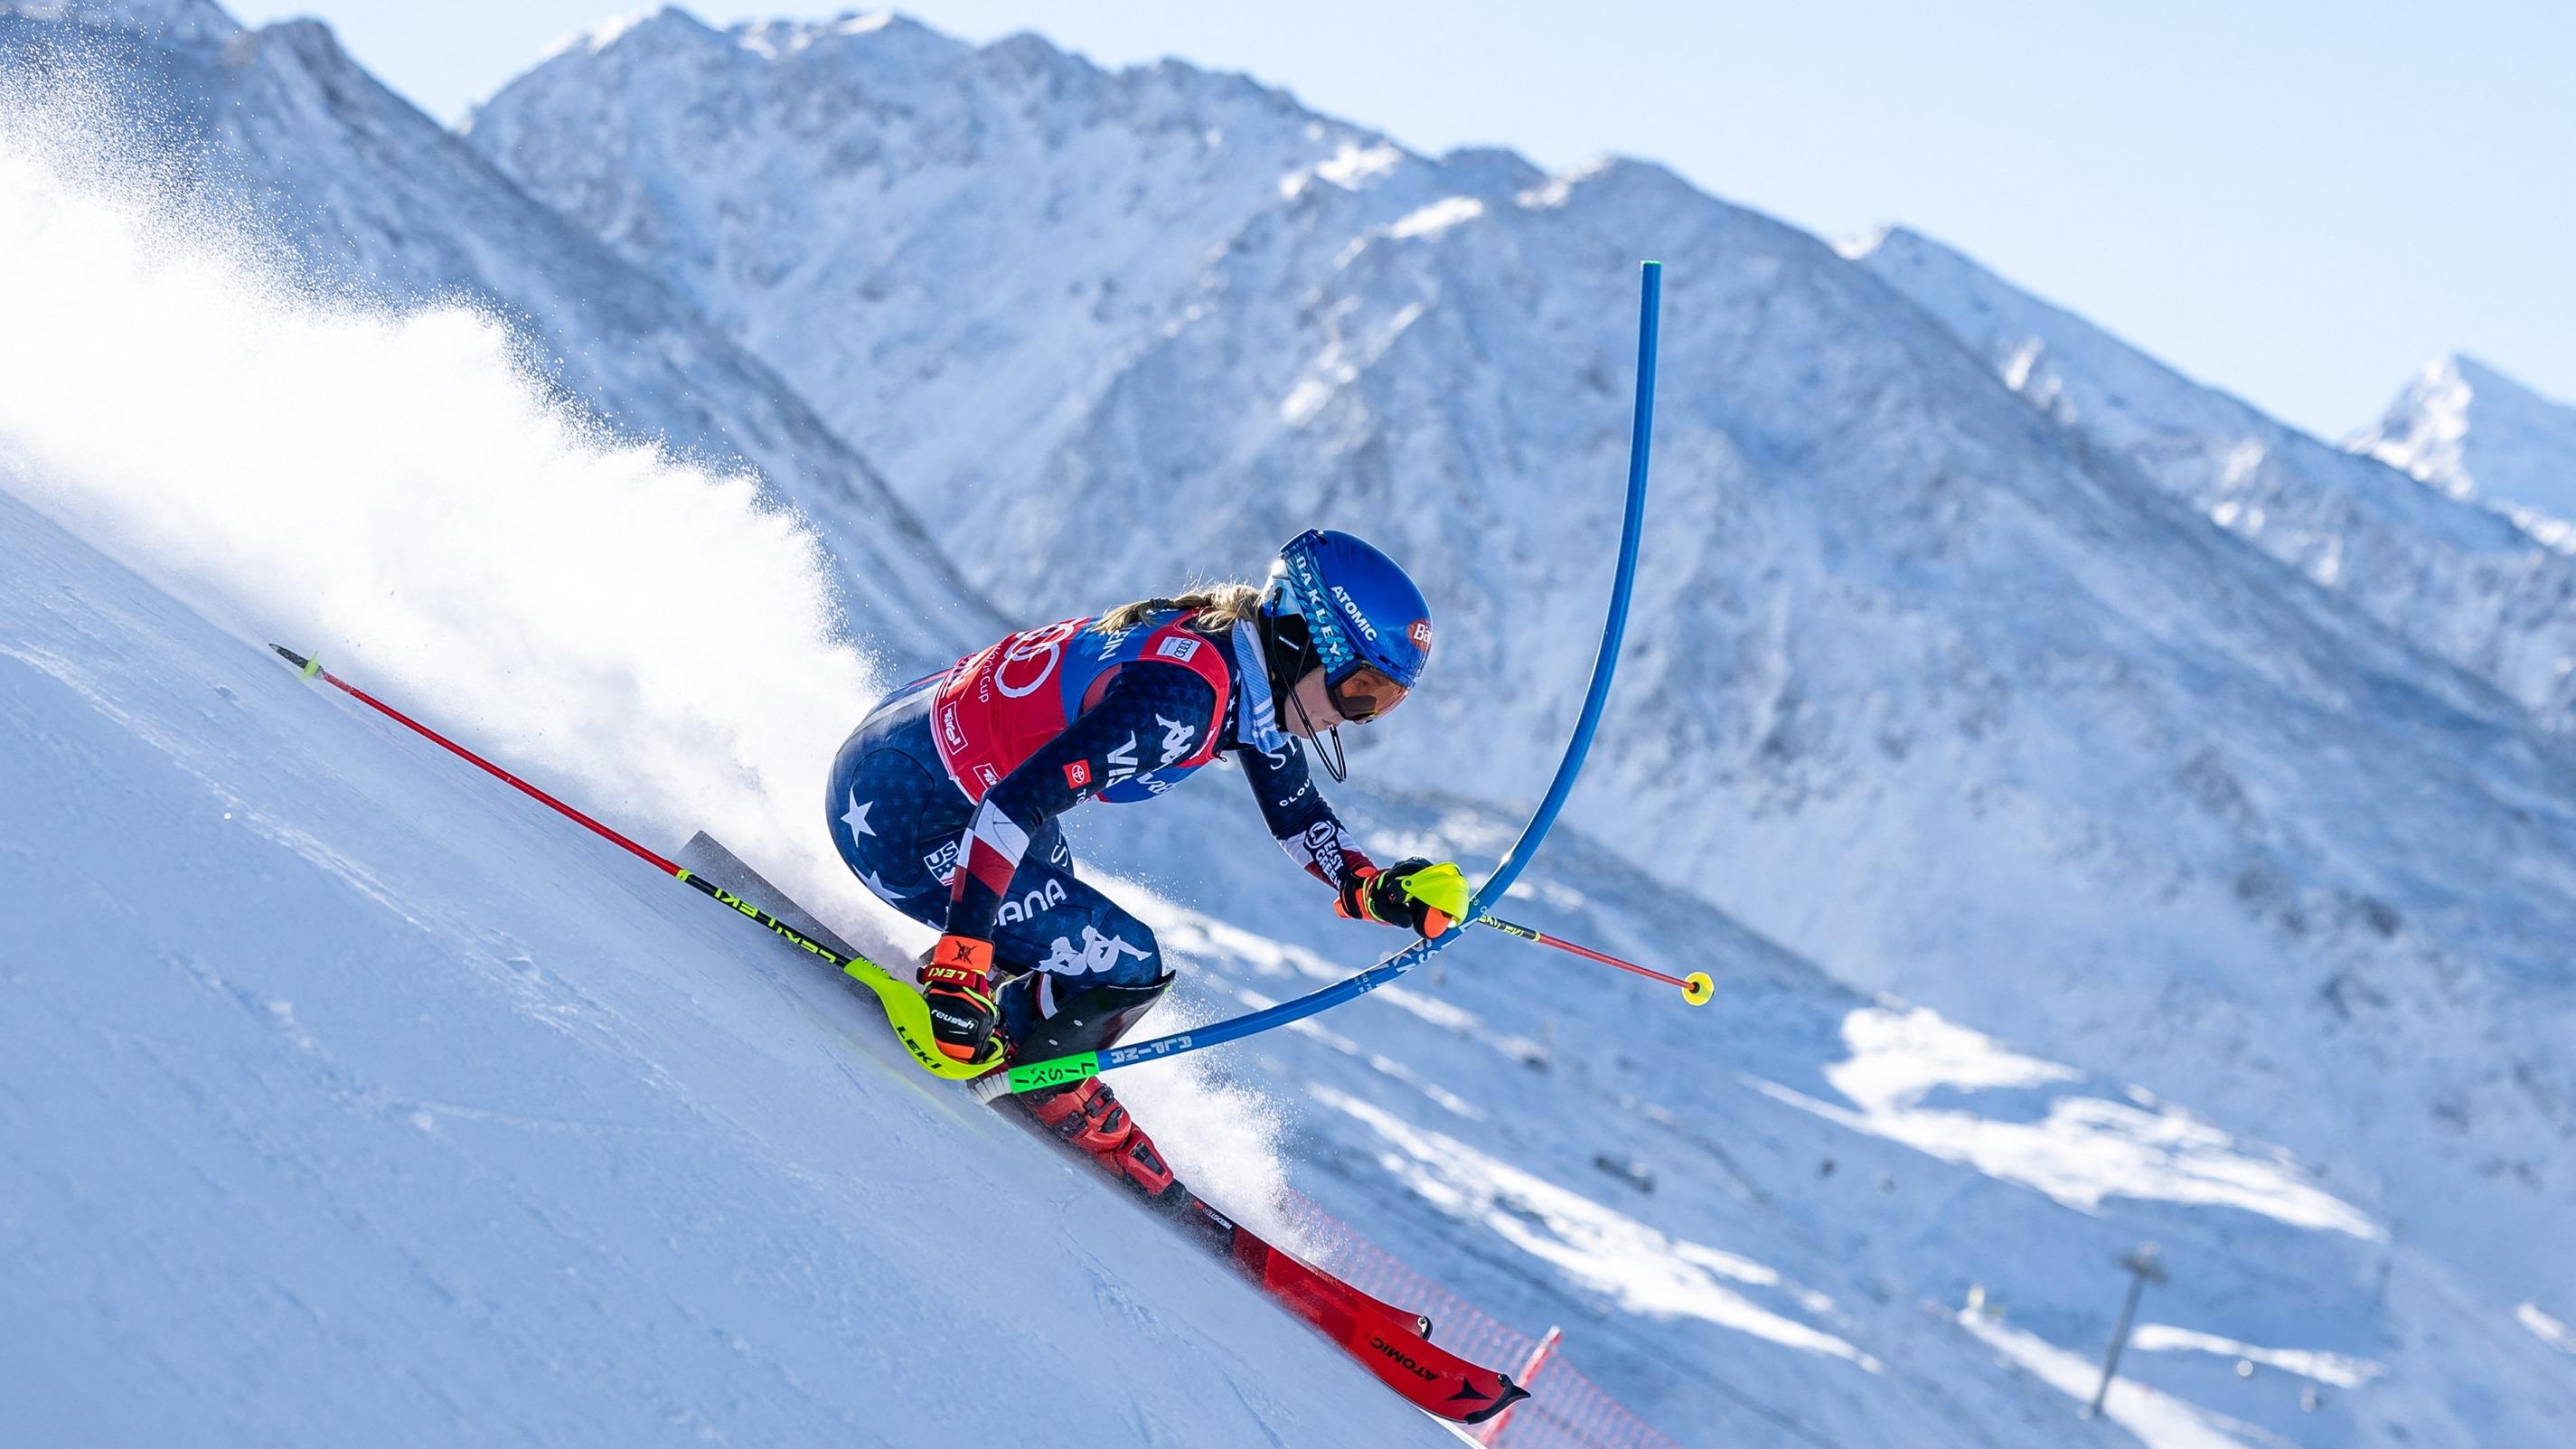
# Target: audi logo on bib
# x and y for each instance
(1046, 644)
(1002, 702)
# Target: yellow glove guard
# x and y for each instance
(1444, 889)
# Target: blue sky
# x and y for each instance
(2299, 202)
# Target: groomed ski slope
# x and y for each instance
(348, 1098)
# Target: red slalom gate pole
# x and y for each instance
(1537, 1360)
(1696, 988)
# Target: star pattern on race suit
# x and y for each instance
(856, 817)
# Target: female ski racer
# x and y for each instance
(944, 800)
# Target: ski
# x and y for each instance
(1388, 1341)
(1391, 1343)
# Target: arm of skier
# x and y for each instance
(1299, 819)
(1413, 893)
(1129, 731)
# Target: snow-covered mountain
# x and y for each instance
(956, 251)
(2477, 434)
(371, 197)
(2463, 582)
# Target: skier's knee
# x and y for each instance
(1053, 1016)
(1093, 969)
(1113, 947)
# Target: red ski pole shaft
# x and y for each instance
(903, 1007)
(312, 669)
(1696, 988)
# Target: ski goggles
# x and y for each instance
(1364, 693)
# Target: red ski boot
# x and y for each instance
(1087, 1115)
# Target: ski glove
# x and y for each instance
(1415, 893)
(957, 982)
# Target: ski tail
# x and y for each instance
(707, 857)
(706, 865)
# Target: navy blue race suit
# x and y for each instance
(945, 799)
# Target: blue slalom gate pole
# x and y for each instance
(1604, 663)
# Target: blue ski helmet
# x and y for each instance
(1366, 622)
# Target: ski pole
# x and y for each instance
(1697, 988)
(904, 1008)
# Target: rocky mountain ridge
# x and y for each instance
(2478, 435)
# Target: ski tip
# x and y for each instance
(1511, 1394)
(1697, 988)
